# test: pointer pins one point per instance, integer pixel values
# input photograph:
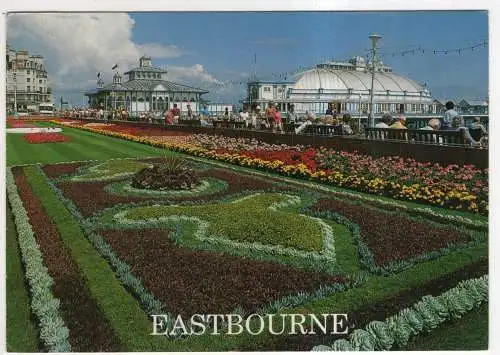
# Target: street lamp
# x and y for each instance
(375, 39)
(359, 113)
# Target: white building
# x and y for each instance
(345, 85)
(27, 82)
(146, 90)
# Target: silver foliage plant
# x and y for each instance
(53, 331)
(423, 316)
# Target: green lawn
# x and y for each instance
(22, 333)
(83, 146)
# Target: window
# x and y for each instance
(28, 88)
(28, 80)
(27, 71)
(40, 81)
(267, 89)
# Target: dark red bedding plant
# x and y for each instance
(88, 329)
(142, 131)
(46, 137)
(12, 123)
(91, 197)
(57, 170)
(391, 237)
(190, 281)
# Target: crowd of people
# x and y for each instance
(475, 135)
(271, 118)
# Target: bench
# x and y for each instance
(190, 122)
(324, 130)
(416, 136)
(228, 124)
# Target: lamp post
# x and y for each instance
(375, 39)
(15, 89)
(359, 113)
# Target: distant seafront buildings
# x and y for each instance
(27, 83)
(344, 85)
(146, 90)
(347, 85)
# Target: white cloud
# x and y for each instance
(196, 73)
(78, 46)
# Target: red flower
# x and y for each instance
(35, 138)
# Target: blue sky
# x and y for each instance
(219, 47)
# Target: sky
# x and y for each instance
(218, 51)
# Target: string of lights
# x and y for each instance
(433, 51)
(419, 50)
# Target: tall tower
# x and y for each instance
(145, 61)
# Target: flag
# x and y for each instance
(98, 75)
(116, 66)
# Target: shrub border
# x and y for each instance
(53, 331)
(422, 316)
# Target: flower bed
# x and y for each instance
(191, 282)
(393, 238)
(255, 243)
(460, 188)
(37, 138)
(92, 196)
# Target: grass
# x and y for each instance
(83, 146)
(22, 333)
(470, 332)
(249, 220)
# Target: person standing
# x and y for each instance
(176, 111)
(329, 110)
(278, 122)
(255, 117)
(291, 116)
(190, 111)
(449, 116)
(270, 115)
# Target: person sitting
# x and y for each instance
(384, 121)
(400, 123)
(432, 125)
(346, 127)
(479, 132)
(459, 125)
